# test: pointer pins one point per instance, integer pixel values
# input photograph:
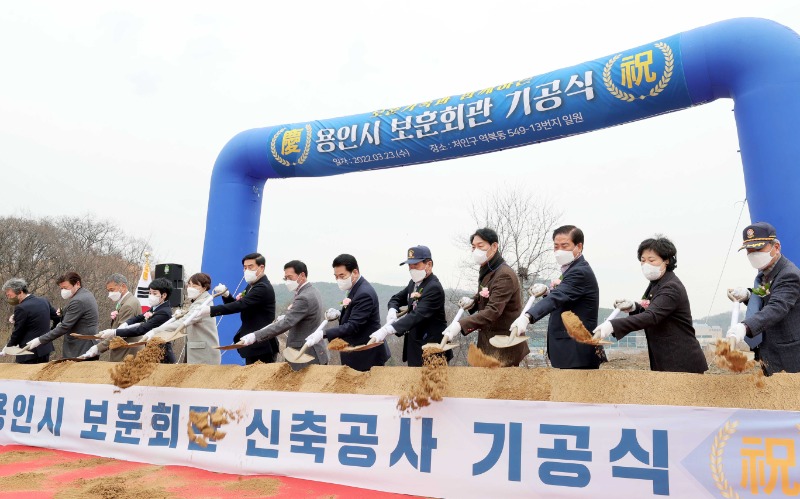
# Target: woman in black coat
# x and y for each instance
(663, 313)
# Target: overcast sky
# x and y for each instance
(119, 109)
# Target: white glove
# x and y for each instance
(382, 333)
(314, 338)
(108, 333)
(11, 319)
(738, 294)
(124, 325)
(221, 288)
(539, 289)
(391, 317)
(149, 336)
(466, 302)
(332, 314)
(603, 331)
(738, 331)
(248, 339)
(280, 317)
(33, 343)
(625, 305)
(205, 311)
(92, 352)
(519, 326)
(452, 331)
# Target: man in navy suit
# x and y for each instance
(359, 316)
(32, 317)
(139, 325)
(577, 291)
(256, 306)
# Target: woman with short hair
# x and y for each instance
(664, 313)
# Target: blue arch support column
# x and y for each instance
(755, 62)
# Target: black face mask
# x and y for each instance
(13, 301)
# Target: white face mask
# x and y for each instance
(759, 259)
(114, 296)
(66, 294)
(417, 275)
(250, 276)
(652, 272)
(153, 300)
(192, 293)
(346, 283)
(292, 285)
(479, 256)
(564, 257)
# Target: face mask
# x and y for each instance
(479, 256)
(292, 286)
(250, 276)
(114, 296)
(192, 293)
(417, 275)
(66, 294)
(651, 272)
(13, 301)
(154, 300)
(346, 283)
(759, 259)
(564, 257)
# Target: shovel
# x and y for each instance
(734, 321)
(300, 357)
(14, 351)
(69, 359)
(372, 343)
(444, 345)
(507, 341)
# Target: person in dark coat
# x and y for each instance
(576, 291)
(139, 325)
(664, 313)
(358, 317)
(32, 318)
(773, 304)
(425, 320)
(256, 306)
(497, 303)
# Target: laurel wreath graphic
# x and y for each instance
(717, 448)
(669, 65)
(303, 156)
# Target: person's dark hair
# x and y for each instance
(161, 285)
(202, 280)
(298, 267)
(348, 261)
(258, 257)
(72, 277)
(574, 233)
(487, 234)
(662, 247)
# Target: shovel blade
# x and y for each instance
(361, 348)
(438, 346)
(504, 341)
(295, 356)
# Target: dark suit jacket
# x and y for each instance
(778, 321)
(425, 321)
(139, 326)
(579, 293)
(667, 323)
(32, 318)
(359, 319)
(256, 310)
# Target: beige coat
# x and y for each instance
(127, 307)
(201, 337)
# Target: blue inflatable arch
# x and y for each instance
(755, 62)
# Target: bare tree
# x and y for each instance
(524, 224)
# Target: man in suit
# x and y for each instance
(577, 291)
(256, 304)
(79, 315)
(141, 324)
(127, 306)
(425, 320)
(32, 317)
(301, 319)
(773, 304)
(359, 316)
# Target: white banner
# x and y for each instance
(454, 448)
